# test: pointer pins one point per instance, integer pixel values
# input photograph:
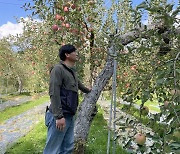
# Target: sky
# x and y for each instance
(11, 9)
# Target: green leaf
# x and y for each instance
(160, 81)
(178, 71)
(142, 5)
(175, 145)
(169, 7)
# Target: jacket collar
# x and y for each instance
(68, 68)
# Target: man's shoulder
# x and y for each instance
(57, 67)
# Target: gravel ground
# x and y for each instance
(18, 126)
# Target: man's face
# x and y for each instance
(73, 56)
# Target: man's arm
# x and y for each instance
(83, 88)
(54, 92)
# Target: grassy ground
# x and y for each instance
(97, 141)
(33, 143)
(12, 111)
(152, 105)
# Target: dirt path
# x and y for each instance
(17, 126)
(18, 101)
(15, 102)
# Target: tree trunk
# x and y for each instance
(20, 86)
(87, 110)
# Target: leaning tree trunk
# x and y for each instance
(86, 110)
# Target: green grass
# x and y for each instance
(98, 137)
(152, 105)
(12, 111)
(34, 142)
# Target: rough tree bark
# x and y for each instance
(86, 113)
(86, 109)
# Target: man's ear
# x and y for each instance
(66, 54)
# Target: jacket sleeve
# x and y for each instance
(82, 87)
(54, 92)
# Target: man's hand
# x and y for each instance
(89, 89)
(60, 124)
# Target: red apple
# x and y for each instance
(66, 9)
(133, 67)
(59, 28)
(79, 8)
(118, 77)
(73, 6)
(62, 18)
(125, 73)
(74, 31)
(159, 62)
(140, 138)
(67, 25)
(55, 27)
(127, 85)
(58, 17)
(63, 24)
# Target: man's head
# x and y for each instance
(65, 52)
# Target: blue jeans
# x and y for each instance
(59, 142)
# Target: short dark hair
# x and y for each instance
(68, 48)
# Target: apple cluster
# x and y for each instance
(66, 9)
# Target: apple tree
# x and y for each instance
(148, 55)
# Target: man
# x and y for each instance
(63, 92)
